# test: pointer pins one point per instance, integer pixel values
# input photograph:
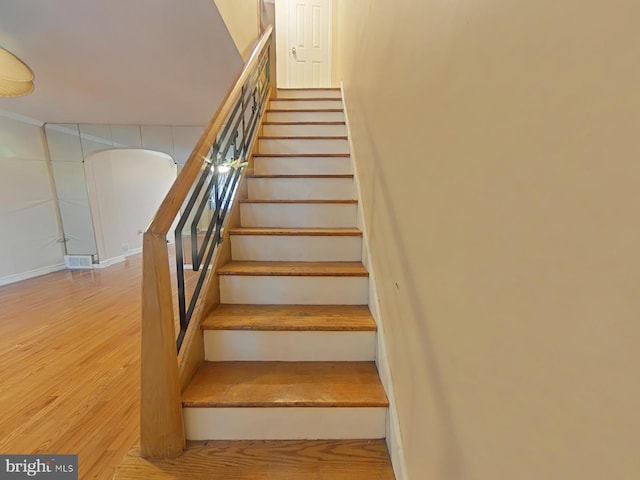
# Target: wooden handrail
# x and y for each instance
(161, 423)
(178, 192)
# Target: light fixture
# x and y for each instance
(16, 78)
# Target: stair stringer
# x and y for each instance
(393, 434)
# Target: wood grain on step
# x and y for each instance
(303, 232)
(248, 200)
(266, 460)
(306, 175)
(285, 384)
(303, 155)
(290, 318)
(304, 110)
(295, 269)
(304, 123)
(307, 99)
(310, 89)
(294, 137)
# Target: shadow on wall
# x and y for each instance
(126, 187)
(422, 368)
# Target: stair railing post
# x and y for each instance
(161, 425)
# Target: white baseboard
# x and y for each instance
(31, 273)
(109, 261)
(133, 251)
(393, 434)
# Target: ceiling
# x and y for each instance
(160, 62)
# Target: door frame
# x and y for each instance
(282, 8)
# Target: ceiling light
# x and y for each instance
(16, 78)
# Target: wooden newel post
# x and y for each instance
(161, 425)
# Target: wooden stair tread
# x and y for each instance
(266, 460)
(303, 155)
(304, 110)
(337, 89)
(307, 99)
(303, 232)
(306, 175)
(295, 269)
(304, 123)
(297, 137)
(248, 200)
(290, 318)
(285, 384)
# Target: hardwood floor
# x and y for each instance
(70, 365)
(267, 460)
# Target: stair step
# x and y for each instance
(285, 384)
(298, 213)
(306, 115)
(301, 155)
(295, 269)
(301, 129)
(306, 232)
(303, 145)
(290, 318)
(302, 164)
(308, 92)
(289, 333)
(309, 97)
(284, 401)
(300, 187)
(307, 202)
(284, 175)
(305, 103)
(296, 245)
(266, 460)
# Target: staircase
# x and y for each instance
(289, 352)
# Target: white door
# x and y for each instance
(309, 41)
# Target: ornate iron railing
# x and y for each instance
(202, 218)
(193, 212)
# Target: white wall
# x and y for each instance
(67, 158)
(29, 229)
(498, 146)
(241, 19)
(126, 187)
(70, 145)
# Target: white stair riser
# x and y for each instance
(293, 290)
(308, 146)
(284, 423)
(307, 93)
(298, 130)
(302, 165)
(288, 346)
(295, 248)
(305, 116)
(298, 215)
(301, 189)
(302, 104)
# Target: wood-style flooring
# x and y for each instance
(70, 365)
(266, 460)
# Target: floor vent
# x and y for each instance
(78, 261)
